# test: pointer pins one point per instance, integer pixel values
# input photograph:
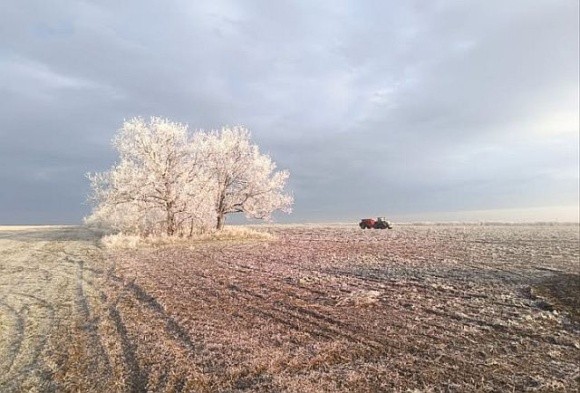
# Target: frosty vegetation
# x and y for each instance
(170, 181)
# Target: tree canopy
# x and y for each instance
(172, 181)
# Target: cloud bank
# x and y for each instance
(375, 107)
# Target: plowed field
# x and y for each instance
(419, 308)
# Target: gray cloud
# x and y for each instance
(374, 107)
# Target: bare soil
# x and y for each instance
(418, 308)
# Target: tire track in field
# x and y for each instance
(42, 298)
(128, 291)
(305, 319)
(294, 315)
(35, 344)
(15, 337)
(84, 311)
(137, 377)
(17, 275)
(279, 309)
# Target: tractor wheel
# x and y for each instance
(362, 226)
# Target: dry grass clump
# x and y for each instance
(360, 298)
(231, 233)
(235, 233)
(120, 241)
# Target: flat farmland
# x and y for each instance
(317, 308)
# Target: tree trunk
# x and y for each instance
(191, 229)
(221, 219)
(170, 223)
(221, 216)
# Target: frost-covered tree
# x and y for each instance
(157, 185)
(244, 180)
(169, 181)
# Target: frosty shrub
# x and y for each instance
(173, 182)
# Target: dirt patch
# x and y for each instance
(562, 292)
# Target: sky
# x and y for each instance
(410, 109)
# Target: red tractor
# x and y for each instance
(379, 223)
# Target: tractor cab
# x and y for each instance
(382, 223)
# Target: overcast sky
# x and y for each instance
(375, 107)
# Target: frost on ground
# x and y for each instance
(46, 289)
(418, 308)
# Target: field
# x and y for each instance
(418, 308)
